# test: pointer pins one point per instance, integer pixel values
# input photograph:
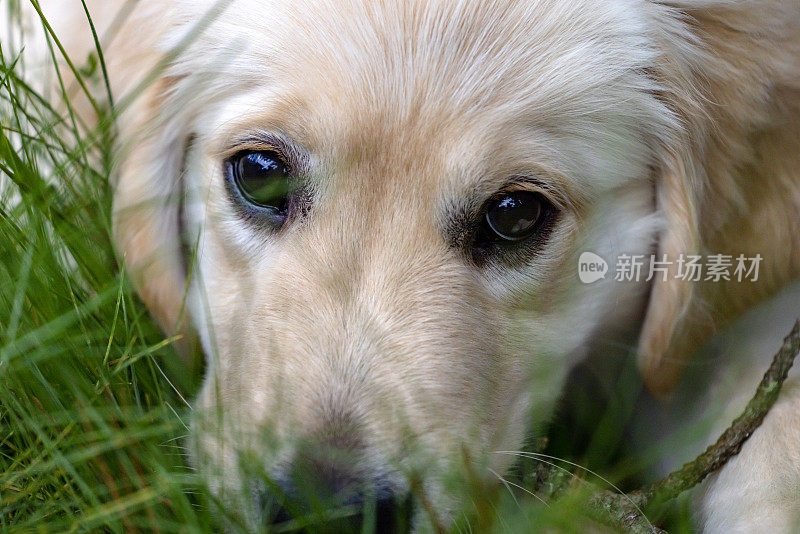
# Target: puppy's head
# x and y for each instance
(379, 208)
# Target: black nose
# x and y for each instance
(331, 505)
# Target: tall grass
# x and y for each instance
(92, 396)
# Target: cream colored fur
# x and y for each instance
(667, 126)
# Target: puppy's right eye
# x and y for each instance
(260, 182)
(261, 178)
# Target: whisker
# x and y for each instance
(505, 483)
(160, 370)
(176, 438)
(538, 456)
(178, 416)
(526, 490)
(527, 455)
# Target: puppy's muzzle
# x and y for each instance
(327, 490)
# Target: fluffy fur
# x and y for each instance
(654, 126)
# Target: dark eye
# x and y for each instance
(516, 215)
(261, 179)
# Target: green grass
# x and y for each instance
(92, 396)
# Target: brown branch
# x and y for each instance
(625, 511)
(730, 442)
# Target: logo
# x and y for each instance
(591, 267)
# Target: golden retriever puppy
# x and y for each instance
(374, 213)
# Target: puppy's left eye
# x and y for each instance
(515, 215)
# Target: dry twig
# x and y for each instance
(625, 511)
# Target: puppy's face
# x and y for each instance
(390, 200)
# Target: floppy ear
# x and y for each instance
(666, 338)
(729, 73)
(674, 318)
(147, 206)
